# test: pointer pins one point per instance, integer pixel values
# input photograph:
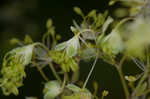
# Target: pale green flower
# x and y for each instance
(71, 46)
(13, 69)
(52, 89)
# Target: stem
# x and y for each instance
(86, 81)
(41, 72)
(119, 69)
(64, 82)
(123, 83)
(54, 71)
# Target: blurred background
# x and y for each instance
(20, 17)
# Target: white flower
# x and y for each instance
(71, 46)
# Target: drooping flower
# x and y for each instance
(71, 46)
(52, 89)
(13, 69)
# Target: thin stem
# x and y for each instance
(119, 68)
(54, 71)
(86, 81)
(123, 83)
(64, 82)
(41, 72)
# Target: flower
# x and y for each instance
(71, 46)
(13, 69)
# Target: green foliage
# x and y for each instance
(98, 36)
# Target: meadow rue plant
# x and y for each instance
(97, 36)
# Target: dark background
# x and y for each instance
(20, 17)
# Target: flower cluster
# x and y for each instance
(13, 69)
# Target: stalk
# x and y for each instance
(124, 84)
